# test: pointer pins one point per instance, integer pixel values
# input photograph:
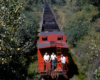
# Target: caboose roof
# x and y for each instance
(48, 44)
(49, 33)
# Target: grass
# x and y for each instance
(33, 71)
(60, 16)
(33, 67)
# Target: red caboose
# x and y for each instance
(51, 40)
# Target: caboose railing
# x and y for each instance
(42, 64)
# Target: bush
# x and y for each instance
(88, 8)
(17, 37)
(78, 26)
(97, 73)
(76, 30)
(56, 13)
(97, 28)
(27, 8)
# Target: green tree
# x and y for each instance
(53, 1)
(16, 39)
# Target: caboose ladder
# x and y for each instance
(58, 51)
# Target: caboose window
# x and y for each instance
(44, 38)
(60, 38)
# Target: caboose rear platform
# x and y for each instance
(58, 67)
(54, 74)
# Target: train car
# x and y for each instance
(51, 40)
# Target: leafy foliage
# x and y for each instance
(78, 26)
(97, 73)
(75, 31)
(17, 39)
(97, 28)
(10, 51)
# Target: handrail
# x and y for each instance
(47, 62)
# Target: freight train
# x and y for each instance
(51, 39)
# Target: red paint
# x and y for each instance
(52, 37)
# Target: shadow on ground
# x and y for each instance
(73, 69)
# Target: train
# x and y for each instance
(51, 39)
